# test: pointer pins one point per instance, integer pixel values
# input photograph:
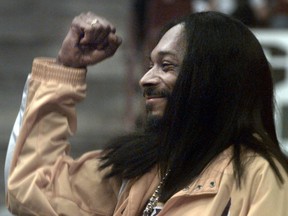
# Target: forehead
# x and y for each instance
(172, 43)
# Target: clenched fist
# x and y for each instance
(90, 40)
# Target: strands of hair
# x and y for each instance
(223, 97)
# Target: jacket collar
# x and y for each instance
(209, 181)
(137, 192)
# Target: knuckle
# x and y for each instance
(89, 13)
(107, 29)
(81, 14)
(75, 20)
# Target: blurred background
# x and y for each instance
(31, 28)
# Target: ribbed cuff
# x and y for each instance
(46, 69)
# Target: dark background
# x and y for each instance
(30, 28)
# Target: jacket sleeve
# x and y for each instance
(43, 179)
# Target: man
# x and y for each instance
(209, 147)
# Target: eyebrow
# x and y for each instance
(164, 53)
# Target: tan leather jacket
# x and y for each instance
(45, 180)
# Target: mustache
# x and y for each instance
(150, 91)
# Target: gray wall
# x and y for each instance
(30, 28)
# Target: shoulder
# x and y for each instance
(255, 166)
(259, 180)
(258, 167)
(261, 191)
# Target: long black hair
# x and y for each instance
(223, 97)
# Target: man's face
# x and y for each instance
(165, 62)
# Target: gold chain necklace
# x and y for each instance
(152, 203)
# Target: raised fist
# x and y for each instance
(90, 40)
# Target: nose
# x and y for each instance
(149, 79)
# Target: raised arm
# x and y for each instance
(42, 178)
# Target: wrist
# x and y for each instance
(59, 61)
(47, 69)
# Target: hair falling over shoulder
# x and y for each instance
(223, 97)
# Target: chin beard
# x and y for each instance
(153, 124)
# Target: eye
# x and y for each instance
(168, 66)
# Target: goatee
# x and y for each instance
(153, 124)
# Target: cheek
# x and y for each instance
(170, 81)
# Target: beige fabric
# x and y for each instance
(45, 180)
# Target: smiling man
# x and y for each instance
(211, 148)
(165, 62)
